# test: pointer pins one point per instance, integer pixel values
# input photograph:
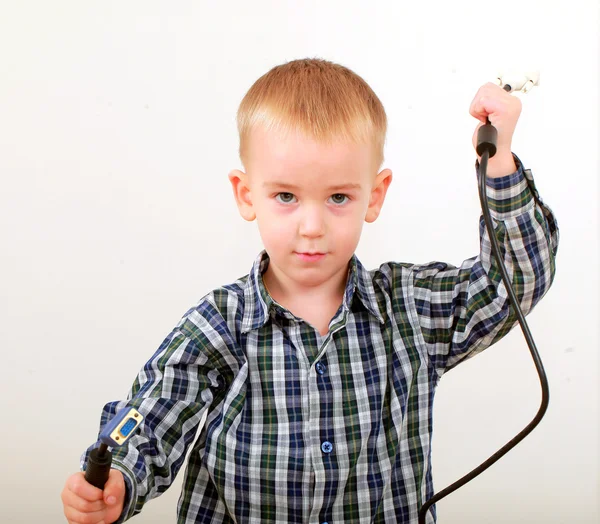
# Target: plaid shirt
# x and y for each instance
(337, 428)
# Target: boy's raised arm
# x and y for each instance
(466, 309)
(463, 310)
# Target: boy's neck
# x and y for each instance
(287, 292)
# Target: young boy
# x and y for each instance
(316, 375)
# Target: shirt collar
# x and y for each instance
(258, 304)
(361, 284)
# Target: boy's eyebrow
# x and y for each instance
(285, 185)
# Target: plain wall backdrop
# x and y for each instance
(117, 132)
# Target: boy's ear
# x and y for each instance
(241, 192)
(380, 187)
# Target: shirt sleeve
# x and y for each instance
(172, 391)
(462, 310)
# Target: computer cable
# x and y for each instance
(486, 148)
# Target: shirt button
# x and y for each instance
(320, 367)
(327, 447)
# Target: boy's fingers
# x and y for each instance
(78, 517)
(491, 99)
(82, 488)
(114, 490)
(472, 109)
(482, 91)
(496, 97)
(71, 499)
(487, 105)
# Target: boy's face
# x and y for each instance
(310, 201)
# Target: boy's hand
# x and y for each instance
(503, 111)
(86, 504)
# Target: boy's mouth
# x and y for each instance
(310, 257)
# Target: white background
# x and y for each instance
(117, 131)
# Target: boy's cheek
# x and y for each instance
(274, 225)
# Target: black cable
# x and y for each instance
(486, 148)
(102, 450)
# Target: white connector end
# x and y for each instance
(519, 81)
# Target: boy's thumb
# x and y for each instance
(114, 489)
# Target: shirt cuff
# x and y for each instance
(511, 195)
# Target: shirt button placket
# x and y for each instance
(326, 446)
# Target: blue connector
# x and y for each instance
(121, 427)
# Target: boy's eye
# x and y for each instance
(285, 198)
(339, 198)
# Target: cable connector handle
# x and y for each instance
(98, 467)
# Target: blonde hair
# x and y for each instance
(323, 100)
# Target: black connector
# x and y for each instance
(98, 466)
(487, 137)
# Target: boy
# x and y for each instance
(316, 375)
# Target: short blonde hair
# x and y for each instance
(323, 100)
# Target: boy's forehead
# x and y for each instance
(278, 155)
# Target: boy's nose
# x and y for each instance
(312, 223)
